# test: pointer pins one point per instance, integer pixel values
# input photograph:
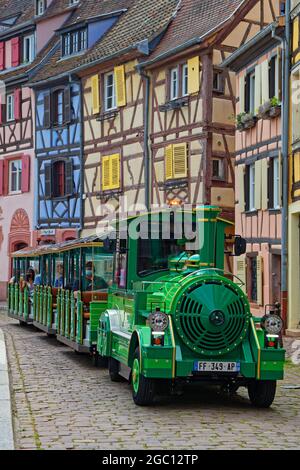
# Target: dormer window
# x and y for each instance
(73, 2)
(74, 42)
(40, 7)
(28, 48)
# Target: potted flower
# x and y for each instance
(245, 121)
(270, 109)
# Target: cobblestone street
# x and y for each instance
(60, 401)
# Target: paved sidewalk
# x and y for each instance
(6, 434)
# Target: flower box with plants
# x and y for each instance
(245, 121)
(270, 109)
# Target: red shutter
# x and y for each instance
(2, 55)
(15, 52)
(17, 96)
(25, 187)
(5, 177)
(1, 177)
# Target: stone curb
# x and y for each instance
(6, 434)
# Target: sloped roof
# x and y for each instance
(195, 19)
(143, 20)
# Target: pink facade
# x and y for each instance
(258, 171)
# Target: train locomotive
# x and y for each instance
(171, 314)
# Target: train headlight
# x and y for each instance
(158, 321)
(273, 324)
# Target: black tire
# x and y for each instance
(144, 395)
(22, 323)
(262, 392)
(113, 369)
(99, 361)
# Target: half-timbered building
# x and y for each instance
(24, 37)
(258, 165)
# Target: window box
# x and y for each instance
(174, 183)
(270, 109)
(108, 115)
(245, 121)
(174, 104)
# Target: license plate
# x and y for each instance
(217, 366)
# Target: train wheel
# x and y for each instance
(113, 369)
(143, 389)
(262, 392)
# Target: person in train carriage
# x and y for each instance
(59, 281)
(92, 281)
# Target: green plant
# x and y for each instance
(274, 101)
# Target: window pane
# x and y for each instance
(110, 99)
(184, 80)
(174, 84)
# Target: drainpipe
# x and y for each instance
(146, 137)
(285, 163)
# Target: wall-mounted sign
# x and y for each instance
(47, 232)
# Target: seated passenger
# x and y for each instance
(59, 281)
(92, 281)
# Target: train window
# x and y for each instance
(58, 271)
(153, 255)
(120, 267)
(97, 269)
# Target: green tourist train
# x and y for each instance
(150, 300)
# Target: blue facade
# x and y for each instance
(58, 143)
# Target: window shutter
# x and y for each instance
(1, 177)
(169, 162)
(67, 105)
(265, 81)
(180, 160)
(241, 187)
(5, 177)
(48, 180)
(259, 277)
(25, 185)
(279, 62)
(120, 84)
(264, 184)
(247, 187)
(241, 271)
(242, 94)
(2, 55)
(47, 110)
(1, 110)
(296, 34)
(193, 75)
(258, 92)
(95, 94)
(280, 178)
(15, 52)
(17, 104)
(257, 194)
(69, 181)
(115, 171)
(270, 185)
(106, 178)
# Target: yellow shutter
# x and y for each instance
(264, 184)
(242, 94)
(106, 173)
(265, 81)
(258, 94)
(169, 162)
(115, 171)
(180, 160)
(120, 84)
(193, 75)
(258, 184)
(95, 94)
(259, 277)
(240, 187)
(296, 34)
(241, 271)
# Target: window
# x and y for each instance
(250, 187)
(73, 2)
(176, 161)
(273, 78)
(218, 172)
(74, 42)
(15, 176)
(109, 91)
(250, 93)
(252, 263)
(28, 48)
(174, 84)
(40, 7)
(218, 82)
(59, 179)
(58, 107)
(10, 107)
(274, 182)
(185, 80)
